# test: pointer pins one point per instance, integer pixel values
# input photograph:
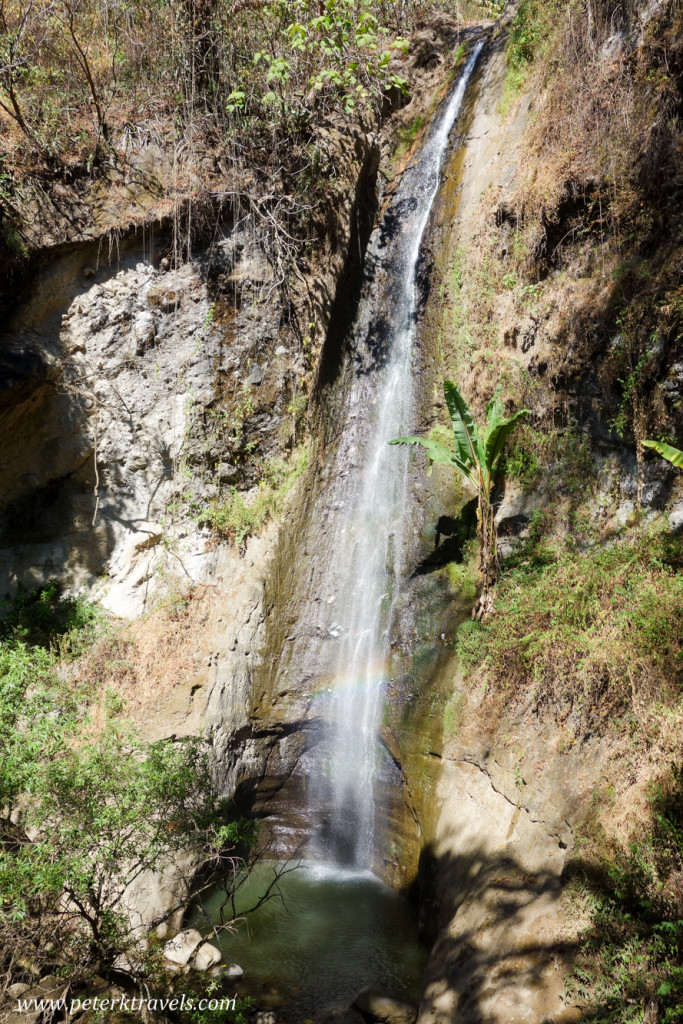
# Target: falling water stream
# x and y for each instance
(367, 530)
(338, 926)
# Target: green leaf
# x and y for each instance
(667, 452)
(465, 431)
(438, 453)
(496, 437)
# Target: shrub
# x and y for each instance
(241, 516)
(630, 967)
(43, 616)
(591, 631)
(84, 812)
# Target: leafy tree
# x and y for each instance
(85, 812)
(475, 455)
(667, 452)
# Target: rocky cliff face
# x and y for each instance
(140, 388)
(134, 394)
(523, 302)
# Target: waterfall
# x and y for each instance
(365, 527)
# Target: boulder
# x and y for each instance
(180, 949)
(18, 989)
(377, 1004)
(265, 1017)
(228, 972)
(206, 956)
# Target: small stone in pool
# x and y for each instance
(376, 1004)
(230, 972)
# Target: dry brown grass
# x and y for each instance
(585, 250)
(142, 663)
(607, 112)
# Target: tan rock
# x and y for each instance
(180, 949)
(377, 1004)
(207, 956)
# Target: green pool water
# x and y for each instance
(327, 934)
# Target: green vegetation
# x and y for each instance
(46, 618)
(296, 411)
(86, 809)
(463, 577)
(630, 967)
(84, 81)
(596, 633)
(562, 459)
(408, 134)
(240, 516)
(525, 33)
(667, 451)
(522, 462)
(256, 84)
(528, 32)
(452, 716)
(476, 456)
(247, 58)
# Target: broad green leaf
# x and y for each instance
(438, 453)
(465, 430)
(494, 415)
(496, 439)
(494, 409)
(667, 451)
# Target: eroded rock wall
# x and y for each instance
(134, 395)
(517, 786)
(137, 389)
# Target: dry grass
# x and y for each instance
(240, 99)
(621, 133)
(585, 251)
(142, 663)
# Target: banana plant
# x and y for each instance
(667, 452)
(475, 454)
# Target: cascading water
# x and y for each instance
(365, 523)
(338, 927)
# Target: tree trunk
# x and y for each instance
(488, 557)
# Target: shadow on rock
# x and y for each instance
(451, 536)
(499, 954)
